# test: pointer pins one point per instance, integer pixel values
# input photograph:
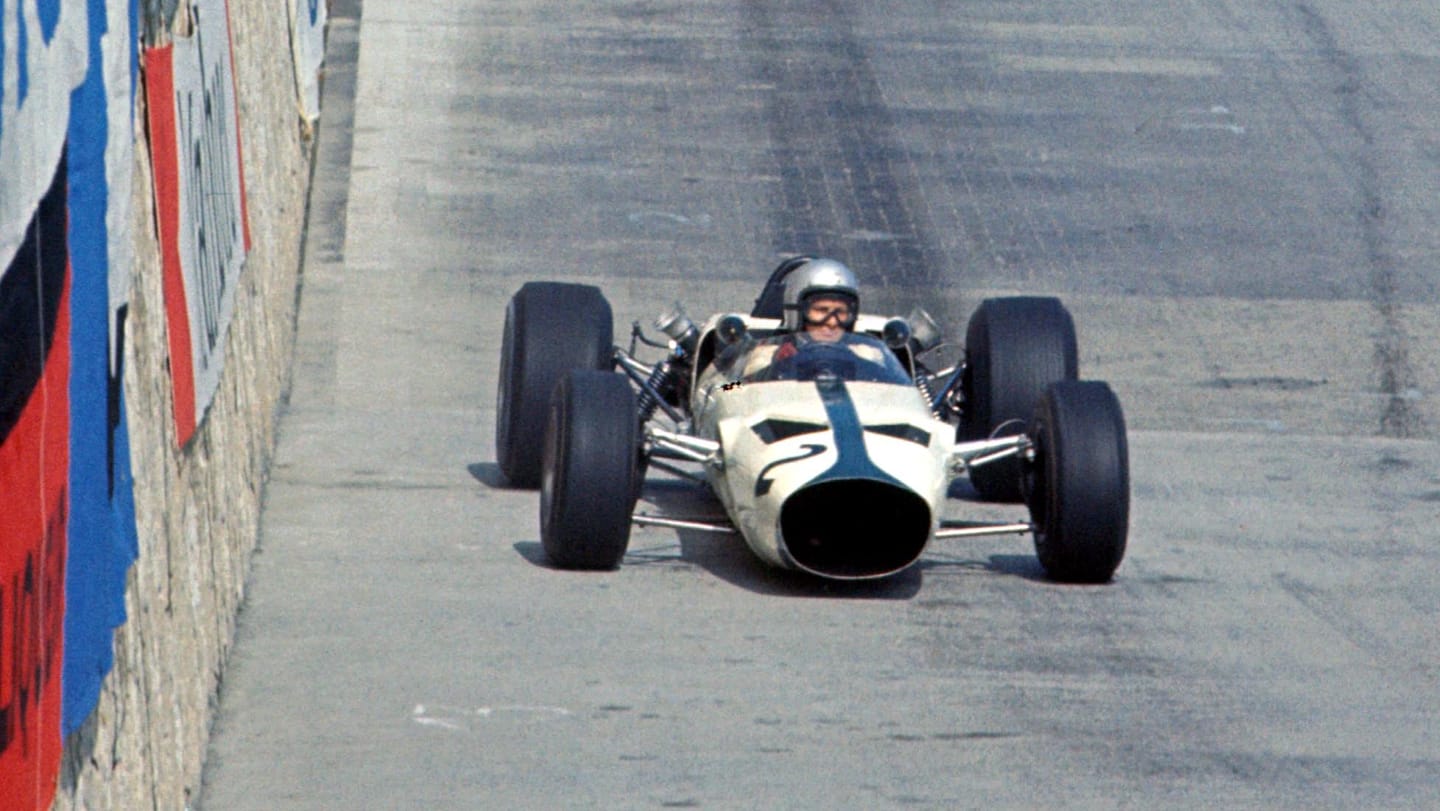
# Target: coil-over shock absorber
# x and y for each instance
(922, 382)
(661, 384)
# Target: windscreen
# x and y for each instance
(799, 357)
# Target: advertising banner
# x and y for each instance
(67, 525)
(307, 38)
(200, 201)
(34, 461)
(42, 59)
(102, 539)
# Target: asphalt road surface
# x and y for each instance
(1240, 203)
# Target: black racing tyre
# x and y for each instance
(587, 489)
(1014, 348)
(1079, 484)
(550, 328)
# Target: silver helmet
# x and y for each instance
(814, 278)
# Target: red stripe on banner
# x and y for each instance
(165, 160)
(34, 463)
(239, 142)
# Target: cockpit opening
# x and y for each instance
(796, 356)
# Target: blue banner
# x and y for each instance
(102, 535)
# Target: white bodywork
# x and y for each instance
(844, 478)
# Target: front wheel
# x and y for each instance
(1014, 348)
(588, 470)
(1079, 484)
(550, 328)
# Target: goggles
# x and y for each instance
(822, 312)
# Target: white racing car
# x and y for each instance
(830, 457)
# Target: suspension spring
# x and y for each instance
(922, 382)
(661, 380)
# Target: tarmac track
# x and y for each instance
(1239, 201)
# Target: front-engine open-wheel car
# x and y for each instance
(1079, 485)
(587, 489)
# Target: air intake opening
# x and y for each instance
(854, 528)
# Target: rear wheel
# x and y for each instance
(587, 488)
(1014, 348)
(1079, 483)
(550, 328)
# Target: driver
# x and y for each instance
(822, 300)
(822, 303)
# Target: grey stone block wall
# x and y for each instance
(198, 507)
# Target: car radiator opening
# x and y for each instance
(854, 528)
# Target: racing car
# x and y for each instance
(830, 457)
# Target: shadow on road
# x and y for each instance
(729, 559)
(1026, 567)
(488, 474)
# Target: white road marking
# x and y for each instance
(640, 217)
(456, 718)
(1111, 64)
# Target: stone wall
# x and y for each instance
(197, 508)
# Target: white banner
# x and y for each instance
(212, 213)
(307, 37)
(42, 59)
(118, 55)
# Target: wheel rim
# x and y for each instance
(551, 461)
(502, 394)
(1035, 483)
